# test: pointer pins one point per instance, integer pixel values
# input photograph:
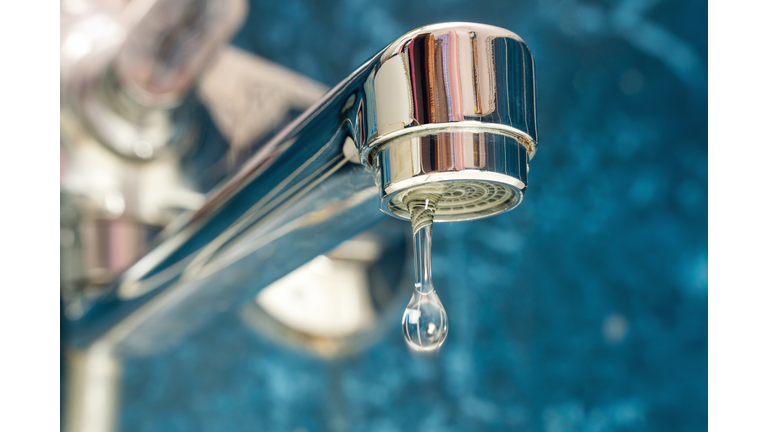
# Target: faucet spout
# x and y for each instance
(448, 103)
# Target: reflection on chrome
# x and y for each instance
(340, 302)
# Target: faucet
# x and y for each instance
(449, 106)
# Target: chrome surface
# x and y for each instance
(456, 99)
(116, 197)
(300, 196)
(483, 173)
(453, 103)
(451, 76)
(112, 206)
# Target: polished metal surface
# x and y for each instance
(449, 106)
(451, 76)
(453, 103)
(118, 193)
(299, 196)
(482, 173)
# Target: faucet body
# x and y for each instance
(449, 104)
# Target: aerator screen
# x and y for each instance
(463, 200)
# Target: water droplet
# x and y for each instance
(425, 323)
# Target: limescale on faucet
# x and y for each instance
(425, 323)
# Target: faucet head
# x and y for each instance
(451, 107)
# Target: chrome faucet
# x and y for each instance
(448, 105)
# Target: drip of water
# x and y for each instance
(425, 323)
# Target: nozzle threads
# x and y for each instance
(421, 206)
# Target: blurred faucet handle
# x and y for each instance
(171, 44)
(132, 91)
(248, 96)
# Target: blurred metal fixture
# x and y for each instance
(131, 89)
(118, 194)
(335, 304)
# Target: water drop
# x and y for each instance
(425, 323)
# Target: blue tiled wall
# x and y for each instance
(583, 310)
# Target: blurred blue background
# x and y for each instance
(585, 309)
